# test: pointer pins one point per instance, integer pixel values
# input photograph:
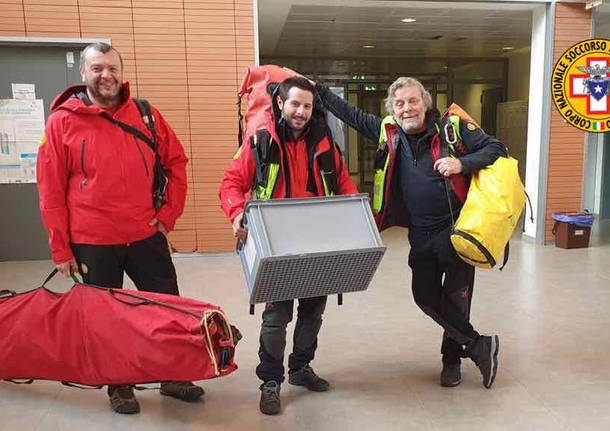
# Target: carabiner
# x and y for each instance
(453, 140)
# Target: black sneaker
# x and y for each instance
(484, 353)
(306, 377)
(185, 391)
(122, 399)
(270, 398)
(451, 375)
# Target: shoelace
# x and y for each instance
(270, 390)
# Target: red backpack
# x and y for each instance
(256, 87)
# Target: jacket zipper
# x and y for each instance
(83, 183)
(142, 155)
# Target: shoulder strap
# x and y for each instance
(264, 155)
(328, 170)
(148, 118)
(130, 129)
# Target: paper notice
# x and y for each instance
(24, 91)
(21, 129)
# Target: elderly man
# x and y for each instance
(420, 184)
(96, 169)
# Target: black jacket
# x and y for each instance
(419, 194)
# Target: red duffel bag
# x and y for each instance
(97, 336)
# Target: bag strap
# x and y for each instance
(148, 118)
(20, 381)
(531, 209)
(328, 167)
(49, 277)
(52, 274)
(264, 154)
(142, 300)
(7, 293)
(506, 253)
(81, 386)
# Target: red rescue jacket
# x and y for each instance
(95, 180)
(239, 177)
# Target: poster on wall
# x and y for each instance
(21, 127)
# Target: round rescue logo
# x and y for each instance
(581, 85)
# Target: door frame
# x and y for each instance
(50, 41)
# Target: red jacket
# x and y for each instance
(239, 177)
(95, 180)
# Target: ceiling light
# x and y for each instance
(408, 20)
(368, 46)
(508, 48)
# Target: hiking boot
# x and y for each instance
(122, 399)
(451, 375)
(484, 353)
(306, 377)
(185, 391)
(270, 398)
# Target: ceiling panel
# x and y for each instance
(334, 29)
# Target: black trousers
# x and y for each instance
(147, 262)
(442, 287)
(276, 317)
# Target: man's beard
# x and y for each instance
(412, 126)
(290, 121)
(109, 100)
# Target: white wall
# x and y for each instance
(538, 122)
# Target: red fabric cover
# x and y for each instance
(88, 336)
(254, 89)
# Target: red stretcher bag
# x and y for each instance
(97, 336)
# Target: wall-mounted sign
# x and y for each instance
(21, 128)
(581, 85)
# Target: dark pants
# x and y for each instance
(276, 317)
(442, 287)
(147, 262)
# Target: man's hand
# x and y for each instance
(238, 230)
(67, 268)
(160, 226)
(301, 76)
(448, 166)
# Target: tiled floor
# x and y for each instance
(550, 307)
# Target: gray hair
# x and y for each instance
(404, 81)
(100, 47)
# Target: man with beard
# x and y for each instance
(420, 184)
(95, 181)
(291, 156)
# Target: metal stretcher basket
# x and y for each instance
(300, 248)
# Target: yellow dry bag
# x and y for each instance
(494, 203)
